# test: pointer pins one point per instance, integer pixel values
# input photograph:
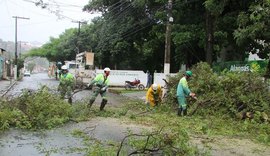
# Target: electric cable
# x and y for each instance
(125, 36)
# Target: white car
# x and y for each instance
(27, 73)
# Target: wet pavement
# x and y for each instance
(37, 80)
(26, 143)
(34, 82)
(59, 141)
(5, 85)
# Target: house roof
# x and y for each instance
(2, 49)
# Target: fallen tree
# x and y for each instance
(234, 94)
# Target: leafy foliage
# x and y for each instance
(227, 94)
(134, 32)
(30, 66)
(203, 124)
(165, 142)
(168, 134)
(36, 110)
(253, 29)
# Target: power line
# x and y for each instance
(68, 5)
(113, 19)
(27, 9)
(125, 11)
(7, 8)
(116, 4)
(137, 30)
(150, 24)
(23, 25)
(122, 10)
(56, 12)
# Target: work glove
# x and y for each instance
(89, 85)
(192, 94)
(103, 89)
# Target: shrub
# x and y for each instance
(229, 93)
(39, 109)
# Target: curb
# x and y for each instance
(8, 89)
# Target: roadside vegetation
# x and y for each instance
(221, 110)
(131, 34)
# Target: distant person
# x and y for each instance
(149, 79)
(49, 72)
(58, 70)
(183, 91)
(56, 75)
(154, 95)
(101, 83)
(66, 84)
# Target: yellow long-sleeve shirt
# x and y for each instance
(154, 97)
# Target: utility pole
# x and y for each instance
(78, 34)
(20, 53)
(16, 44)
(167, 56)
(77, 44)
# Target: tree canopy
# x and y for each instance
(131, 34)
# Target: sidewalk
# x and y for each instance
(5, 85)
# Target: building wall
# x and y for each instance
(5, 66)
(1, 67)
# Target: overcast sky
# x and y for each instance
(42, 23)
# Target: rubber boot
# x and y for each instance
(179, 111)
(90, 103)
(185, 112)
(103, 103)
(70, 100)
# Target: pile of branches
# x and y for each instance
(159, 142)
(235, 94)
(34, 110)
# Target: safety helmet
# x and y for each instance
(64, 67)
(107, 69)
(189, 73)
(154, 87)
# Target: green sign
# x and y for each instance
(241, 66)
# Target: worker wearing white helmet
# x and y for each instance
(66, 83)
(154, 95)
(101, 83)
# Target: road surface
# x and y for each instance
(59, 141)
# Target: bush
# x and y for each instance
(35, 110)
(229, 93)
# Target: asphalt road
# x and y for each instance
(59, 141)
(35, 81)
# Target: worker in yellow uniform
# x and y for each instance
(154, 95)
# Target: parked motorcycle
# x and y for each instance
(134, 84)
